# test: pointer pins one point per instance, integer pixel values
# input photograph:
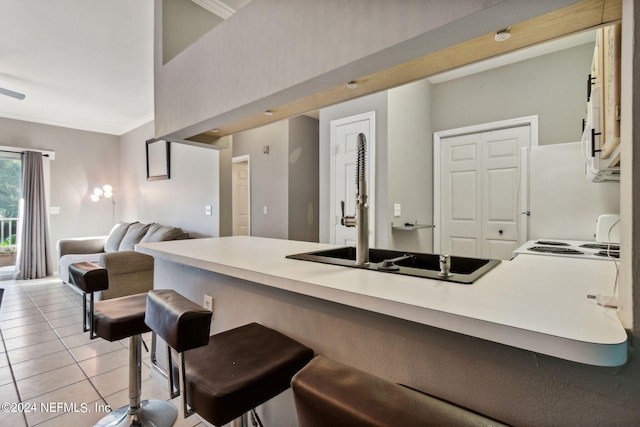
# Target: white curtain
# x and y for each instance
(34, 259)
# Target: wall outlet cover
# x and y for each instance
(208, 302)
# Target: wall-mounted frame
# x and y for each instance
(158, 159)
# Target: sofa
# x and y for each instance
(129, 272)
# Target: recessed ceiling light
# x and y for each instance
(352, 84)
(503, 34)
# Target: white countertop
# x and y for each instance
(532, 302)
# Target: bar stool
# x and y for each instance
(328, 393)
(119, 318)
(234, 372)
(89, 278)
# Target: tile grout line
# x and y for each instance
(33, 298)
(13, 377)
(70, 353)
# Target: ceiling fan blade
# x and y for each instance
(12, 94)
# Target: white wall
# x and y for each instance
(179, 201)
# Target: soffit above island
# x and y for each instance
(226, 97)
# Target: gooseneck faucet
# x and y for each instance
(361, 218)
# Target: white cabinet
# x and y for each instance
(605, 85)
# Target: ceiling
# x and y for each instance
(82, 64)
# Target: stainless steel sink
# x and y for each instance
(463, 269)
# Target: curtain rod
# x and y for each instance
(20, 152)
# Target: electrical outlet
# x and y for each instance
(265, 210)
(208, 302)
(397, 210)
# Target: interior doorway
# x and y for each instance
(481, 188)
(241, 196)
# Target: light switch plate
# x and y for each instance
(397, 210)
(207, 210)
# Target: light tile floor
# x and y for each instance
(49, 367)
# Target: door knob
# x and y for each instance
(500, 232)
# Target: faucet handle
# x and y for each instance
(347, 221)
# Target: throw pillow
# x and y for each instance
(135, 232)
(162, 233)
(115, 236)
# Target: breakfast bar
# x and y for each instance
(529, 318)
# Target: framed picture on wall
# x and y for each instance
(158, 159)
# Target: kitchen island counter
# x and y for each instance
(533, 303)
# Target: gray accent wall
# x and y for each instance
(552, 86)
(269, 177)
(83, 160)
(303, 179)
(285, 180)
(183, 22)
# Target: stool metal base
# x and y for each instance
(152, 413)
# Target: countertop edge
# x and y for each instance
(598, 354)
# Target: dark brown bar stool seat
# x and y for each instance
(89, 278)
(236, 371)
(120, 318)
(328, 393)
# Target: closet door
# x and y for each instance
(480, 193)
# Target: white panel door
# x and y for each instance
(344, 146)
(480, 193)
(461, 195)
(240, 198)
(501, 189)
